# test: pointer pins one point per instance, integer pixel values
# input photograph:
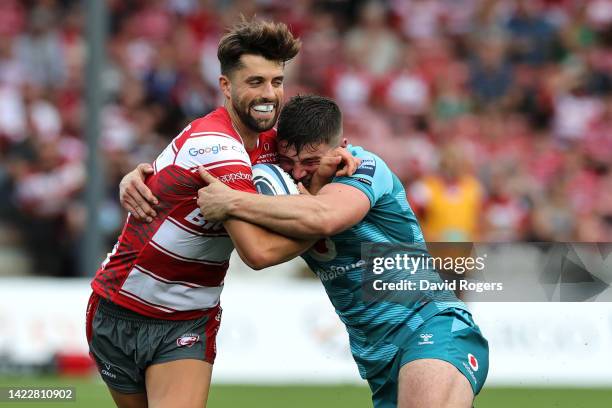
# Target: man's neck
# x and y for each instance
(249, 137)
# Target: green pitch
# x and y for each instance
(91, 393)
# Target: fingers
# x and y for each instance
(145, 193)
(141, 202)
(356, 163)
(130, 205)
(331, 161)
(351, 163)
(348, 166)
(302, 189)
(200, 201)
(206, 176)
(144, 169)
(135, 196)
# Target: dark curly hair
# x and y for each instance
(273, 41)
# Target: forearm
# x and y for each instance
(294, 216)
(260, 248)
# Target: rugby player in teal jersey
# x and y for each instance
(423, 352)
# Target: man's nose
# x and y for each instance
(268, 92)
(298, 172)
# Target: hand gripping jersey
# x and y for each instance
(376, 327)
(173, 268)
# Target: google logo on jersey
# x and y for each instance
(214, 149)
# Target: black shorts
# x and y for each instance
(124, 343)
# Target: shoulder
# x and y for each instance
(372, 177)
(216, 123)
(371, 165)
(210, 140)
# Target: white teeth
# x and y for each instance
(263, 108)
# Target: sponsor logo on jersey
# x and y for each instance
(364, 181)
(324, 250)
(214, 149)
(425, 339)
(107, 370)
(473, 361)
(187, 340)
(336, 271)
(470, 372)
(267, 158)
(367, 167)
(232, 177)
(196, 218)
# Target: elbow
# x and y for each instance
(259, 263)
(256, 259)
(253, 261)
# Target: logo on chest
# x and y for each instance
(324, 250)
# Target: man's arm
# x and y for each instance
(257, 246)
(336, 208)
(138, 200)
(260, 248)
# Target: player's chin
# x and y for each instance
(264, 124)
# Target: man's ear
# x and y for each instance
(344, 142)
(226, 86)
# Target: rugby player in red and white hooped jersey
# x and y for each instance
(154, 312)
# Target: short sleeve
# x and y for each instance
(372, 177)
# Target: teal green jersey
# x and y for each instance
(376, 326)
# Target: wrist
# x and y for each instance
(233, 203)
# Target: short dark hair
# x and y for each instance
(273, 41)
(308, 120)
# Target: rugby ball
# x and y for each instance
(270, 179)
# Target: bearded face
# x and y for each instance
(256, 92)
(259, 114)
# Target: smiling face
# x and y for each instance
(255, 91)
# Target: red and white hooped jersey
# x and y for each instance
(173, 268)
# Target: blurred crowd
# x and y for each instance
(496, 114)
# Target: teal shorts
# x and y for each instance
(450, 336)
(124, 343)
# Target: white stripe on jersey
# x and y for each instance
(182, 244)
(165, 159)
(227, 163)
(201, 149)
(136, 298)
(211, 149)
(153, 290)
(212, 133)
(182, 258)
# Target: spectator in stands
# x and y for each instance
(449, 203)
(523, 86)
